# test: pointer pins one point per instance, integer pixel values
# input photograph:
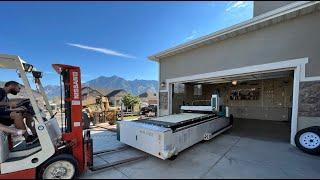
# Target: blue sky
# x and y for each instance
(108, 38)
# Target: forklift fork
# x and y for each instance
(91, 166)
(108, 165)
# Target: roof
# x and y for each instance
(115, 92)
(10, 61)
(281, 14)
(90, 90)
(147, 94)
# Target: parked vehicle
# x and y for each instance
(308, 140)
(146, 110)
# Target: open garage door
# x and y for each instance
(297, 66)
(261, 103)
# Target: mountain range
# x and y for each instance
(107, 84)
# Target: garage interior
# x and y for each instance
(261, 103)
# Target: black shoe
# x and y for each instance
(32, 139)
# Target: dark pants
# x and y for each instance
(5, 118)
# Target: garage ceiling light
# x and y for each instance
(234, 82)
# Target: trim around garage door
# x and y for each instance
(298, 65)
(244, 70)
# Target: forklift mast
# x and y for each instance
(80, 139)
(73, 123)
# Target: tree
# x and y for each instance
(129, 100)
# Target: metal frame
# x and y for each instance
(45, 98)
(47, 146)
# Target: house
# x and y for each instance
(115, 97)
(148, 98)
(265, 68)
(56, 105)
(89, 95)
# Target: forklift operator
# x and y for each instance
(8, 118)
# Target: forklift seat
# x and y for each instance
(4, 147)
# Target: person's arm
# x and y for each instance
(10, 130)
(10, 104)
(4, 103)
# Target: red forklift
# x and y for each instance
(63, 152)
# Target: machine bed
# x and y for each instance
(166, 136)
(178, 120)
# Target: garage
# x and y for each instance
(265, 70)
(261, 103)
(262, 98)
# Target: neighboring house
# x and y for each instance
(54, 107)
(265, 68)
(55, 102)
(148, 98)
(115, 97)
(89, 95)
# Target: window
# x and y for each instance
(178, 88)
(197, 90)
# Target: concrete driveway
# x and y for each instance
(226, 156)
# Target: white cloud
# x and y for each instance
(237, 4)
(193, 34)
(102, 50)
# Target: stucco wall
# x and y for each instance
(260, 7)
(163, 104)
(296, 38)
(309, 104)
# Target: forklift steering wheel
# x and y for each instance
(25, 103)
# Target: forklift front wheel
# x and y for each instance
(63, 166)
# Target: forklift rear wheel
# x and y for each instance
(63, 166)
(308, 140)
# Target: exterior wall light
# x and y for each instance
(163, 84)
